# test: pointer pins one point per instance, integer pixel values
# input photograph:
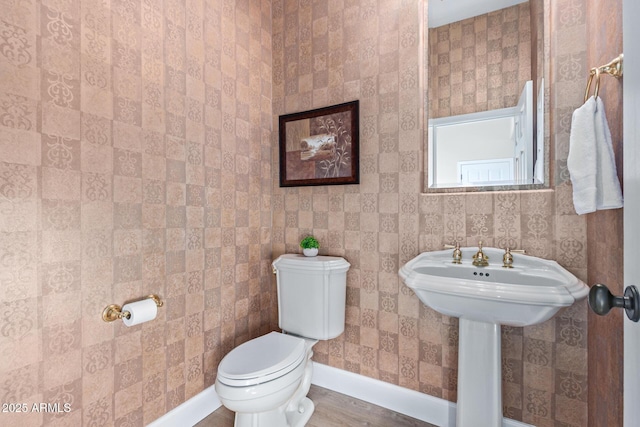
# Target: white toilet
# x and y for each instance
(265, 381)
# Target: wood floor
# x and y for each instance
(332, 410)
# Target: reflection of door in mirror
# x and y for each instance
(481, 57)
(476, 149)
(524, 151)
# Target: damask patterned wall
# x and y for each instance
(480, 63)
(330, 52)
(134, 158)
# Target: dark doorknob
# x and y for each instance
(601, 301)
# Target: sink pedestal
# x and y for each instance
(479, 375)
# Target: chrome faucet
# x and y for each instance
(480, 259)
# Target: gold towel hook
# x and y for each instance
(613, 68)
(597, 89)
(592, 73)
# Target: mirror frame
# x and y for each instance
(424, 88)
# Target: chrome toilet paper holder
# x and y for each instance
(114, 312)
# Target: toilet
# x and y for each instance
(265, 381)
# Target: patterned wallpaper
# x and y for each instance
(134, 158)
(480, 63)
(326, 53)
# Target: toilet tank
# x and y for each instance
(311, 295)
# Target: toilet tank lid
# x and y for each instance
(262, 356)
(320, 263)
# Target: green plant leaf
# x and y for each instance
(309, 242)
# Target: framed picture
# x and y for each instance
(320, 147)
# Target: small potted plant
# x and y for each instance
(309, 246)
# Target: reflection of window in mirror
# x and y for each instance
(485, 60)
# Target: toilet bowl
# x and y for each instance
(265, 381)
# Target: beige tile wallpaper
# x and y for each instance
(138, 154)
(330, 52)
(135, 157)
(480, 63)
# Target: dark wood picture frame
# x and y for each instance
(321, 146)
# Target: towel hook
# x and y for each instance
(595, 72)
(597, 88)
(613, 68)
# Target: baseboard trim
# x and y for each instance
(418, 405)
(432, 410)
(190, 412)
(398, 399)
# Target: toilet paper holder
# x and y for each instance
(114, 312)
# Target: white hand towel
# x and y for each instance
(582, 161)
(608, 184)
(591, 161)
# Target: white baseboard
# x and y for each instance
(190, 412)
(432, 410)
(398, 399)
(414, 404)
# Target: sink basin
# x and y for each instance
(529, 293)
(483, 298)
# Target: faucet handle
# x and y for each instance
(514, 251)
(507, 258)
(457, 253)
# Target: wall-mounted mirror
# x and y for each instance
(485, 80)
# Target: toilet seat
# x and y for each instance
(262, 359)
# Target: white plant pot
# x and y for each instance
(310, 251)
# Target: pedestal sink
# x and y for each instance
(483, 298)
